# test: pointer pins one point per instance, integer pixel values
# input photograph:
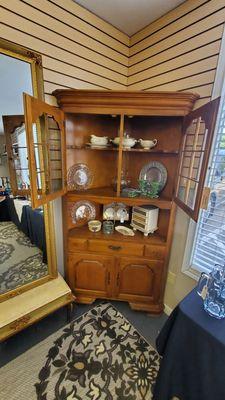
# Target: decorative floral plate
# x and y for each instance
(79, 177)
(154, 172)
(81, 212)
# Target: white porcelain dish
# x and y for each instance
(124, 230)
(148, 144)
(99, 140)
(127, 142)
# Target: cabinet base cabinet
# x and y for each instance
(131, 279)
(90, 275)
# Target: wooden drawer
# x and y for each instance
(77, 244)
(155, 252)
(114, 247)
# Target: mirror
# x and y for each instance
(27, 258)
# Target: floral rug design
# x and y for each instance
(22, 273)
(100, 356)
(21, 262)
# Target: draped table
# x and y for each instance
(192, 346)
(31, 224)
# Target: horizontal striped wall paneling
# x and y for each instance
(178, 62)
(194, 30)
(99, 66)
(92, 20)
(60, 15)
(64, 41)
(171, 53)
(195, 16)
(180, 50)
(166, 20)
(31, 15)
(176, 74)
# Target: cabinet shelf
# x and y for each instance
(132, 150)
(137, 150)
(73, 147)
(106, 195)
(84, 233)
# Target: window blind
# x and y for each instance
(209, 242)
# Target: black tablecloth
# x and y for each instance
(193, 348)
(32, 224)
(8, 211)
(4, 212)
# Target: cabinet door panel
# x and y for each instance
(198, 135)
(139, 278)
(90, 273)
(46, 150)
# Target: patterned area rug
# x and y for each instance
(99, 356)
(20, 261)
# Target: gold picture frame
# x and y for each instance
(35, 61)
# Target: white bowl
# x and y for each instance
(94, 225)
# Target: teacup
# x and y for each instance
(148, 144)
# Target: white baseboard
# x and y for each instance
(167, 309)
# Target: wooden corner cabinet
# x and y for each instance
(113, 266)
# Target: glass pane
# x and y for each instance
(55, 154)
(23, 178)
(182, 188)
(20, 157)
(48, 155)
(191, 164)
(191, 194)
(209, 245)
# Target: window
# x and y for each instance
(208, 247)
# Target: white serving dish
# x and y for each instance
(99, 140)
(148, 144)
(126, 141)
(124, 230)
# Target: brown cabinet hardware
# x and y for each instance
(116, 248)
(108, 278)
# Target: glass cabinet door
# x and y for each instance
(16, 148)
(198, 134)
(46, 150)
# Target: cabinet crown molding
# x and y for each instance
(129, 102)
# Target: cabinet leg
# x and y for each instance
(69, 308)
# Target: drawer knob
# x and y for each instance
(115, 247)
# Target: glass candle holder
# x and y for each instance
(108, 227)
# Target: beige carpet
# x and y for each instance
(99, 356)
